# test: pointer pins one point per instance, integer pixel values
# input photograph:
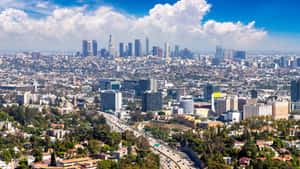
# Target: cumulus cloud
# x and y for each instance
(181, 23)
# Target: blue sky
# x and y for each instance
(208, 23)
(277, 16)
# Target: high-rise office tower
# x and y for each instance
(111, 47)
(146, 84)
(111, 100)
(155, 51)
(208, 91)
(138, 48)
(283, 62)
(151, 101)
(220, 105)
(295, 90)
(298, 62)
(129, 52)
(147, 46)
(121, 50)
(239, 55)
(167, 50)
(219, 53)
(228, 53)
(95, 48)
(103, 53)
(176, 52)
(86, 48)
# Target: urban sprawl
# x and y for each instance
(126, 107)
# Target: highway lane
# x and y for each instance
(170, 158)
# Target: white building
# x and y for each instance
(30, 98)
(221, 102)
(187, 104)
(234, 116)
(259, 109)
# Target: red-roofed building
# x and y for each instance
(39, 165)
(244, 161)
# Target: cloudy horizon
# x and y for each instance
(47, 25)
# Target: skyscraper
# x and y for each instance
(129, 52)
(95, 48)
(111, 47)
(176, 52)
(157, 51)
(219, 53)
(147, 46)
(111, 100)
(146, 84)
(208, 91)
(138, 48)
(239, 55)
(295, 90)
(121, 50)
(151, 101)
(86, 48)
(104, 53)
(167, 50)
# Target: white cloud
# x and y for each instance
(181, 23)
(42, 4)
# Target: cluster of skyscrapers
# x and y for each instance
(222, 53)
(145, 89)
(90, 48)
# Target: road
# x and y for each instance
(169, 158)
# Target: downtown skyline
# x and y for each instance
(195, 24)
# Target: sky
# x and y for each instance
(263, 25)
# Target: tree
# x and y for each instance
(278, 143)
(142, 143)
(107, 165)
(105, 148)
(23, 163)
(248, 150)
(53, 160)
(215, 165)
(6, 156)
(94, 146)
(36, 152)
(3, 116)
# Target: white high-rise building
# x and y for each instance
(147, 46)
(167, 50)
(219, 53)
(111, 47)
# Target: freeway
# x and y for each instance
(170, 158)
